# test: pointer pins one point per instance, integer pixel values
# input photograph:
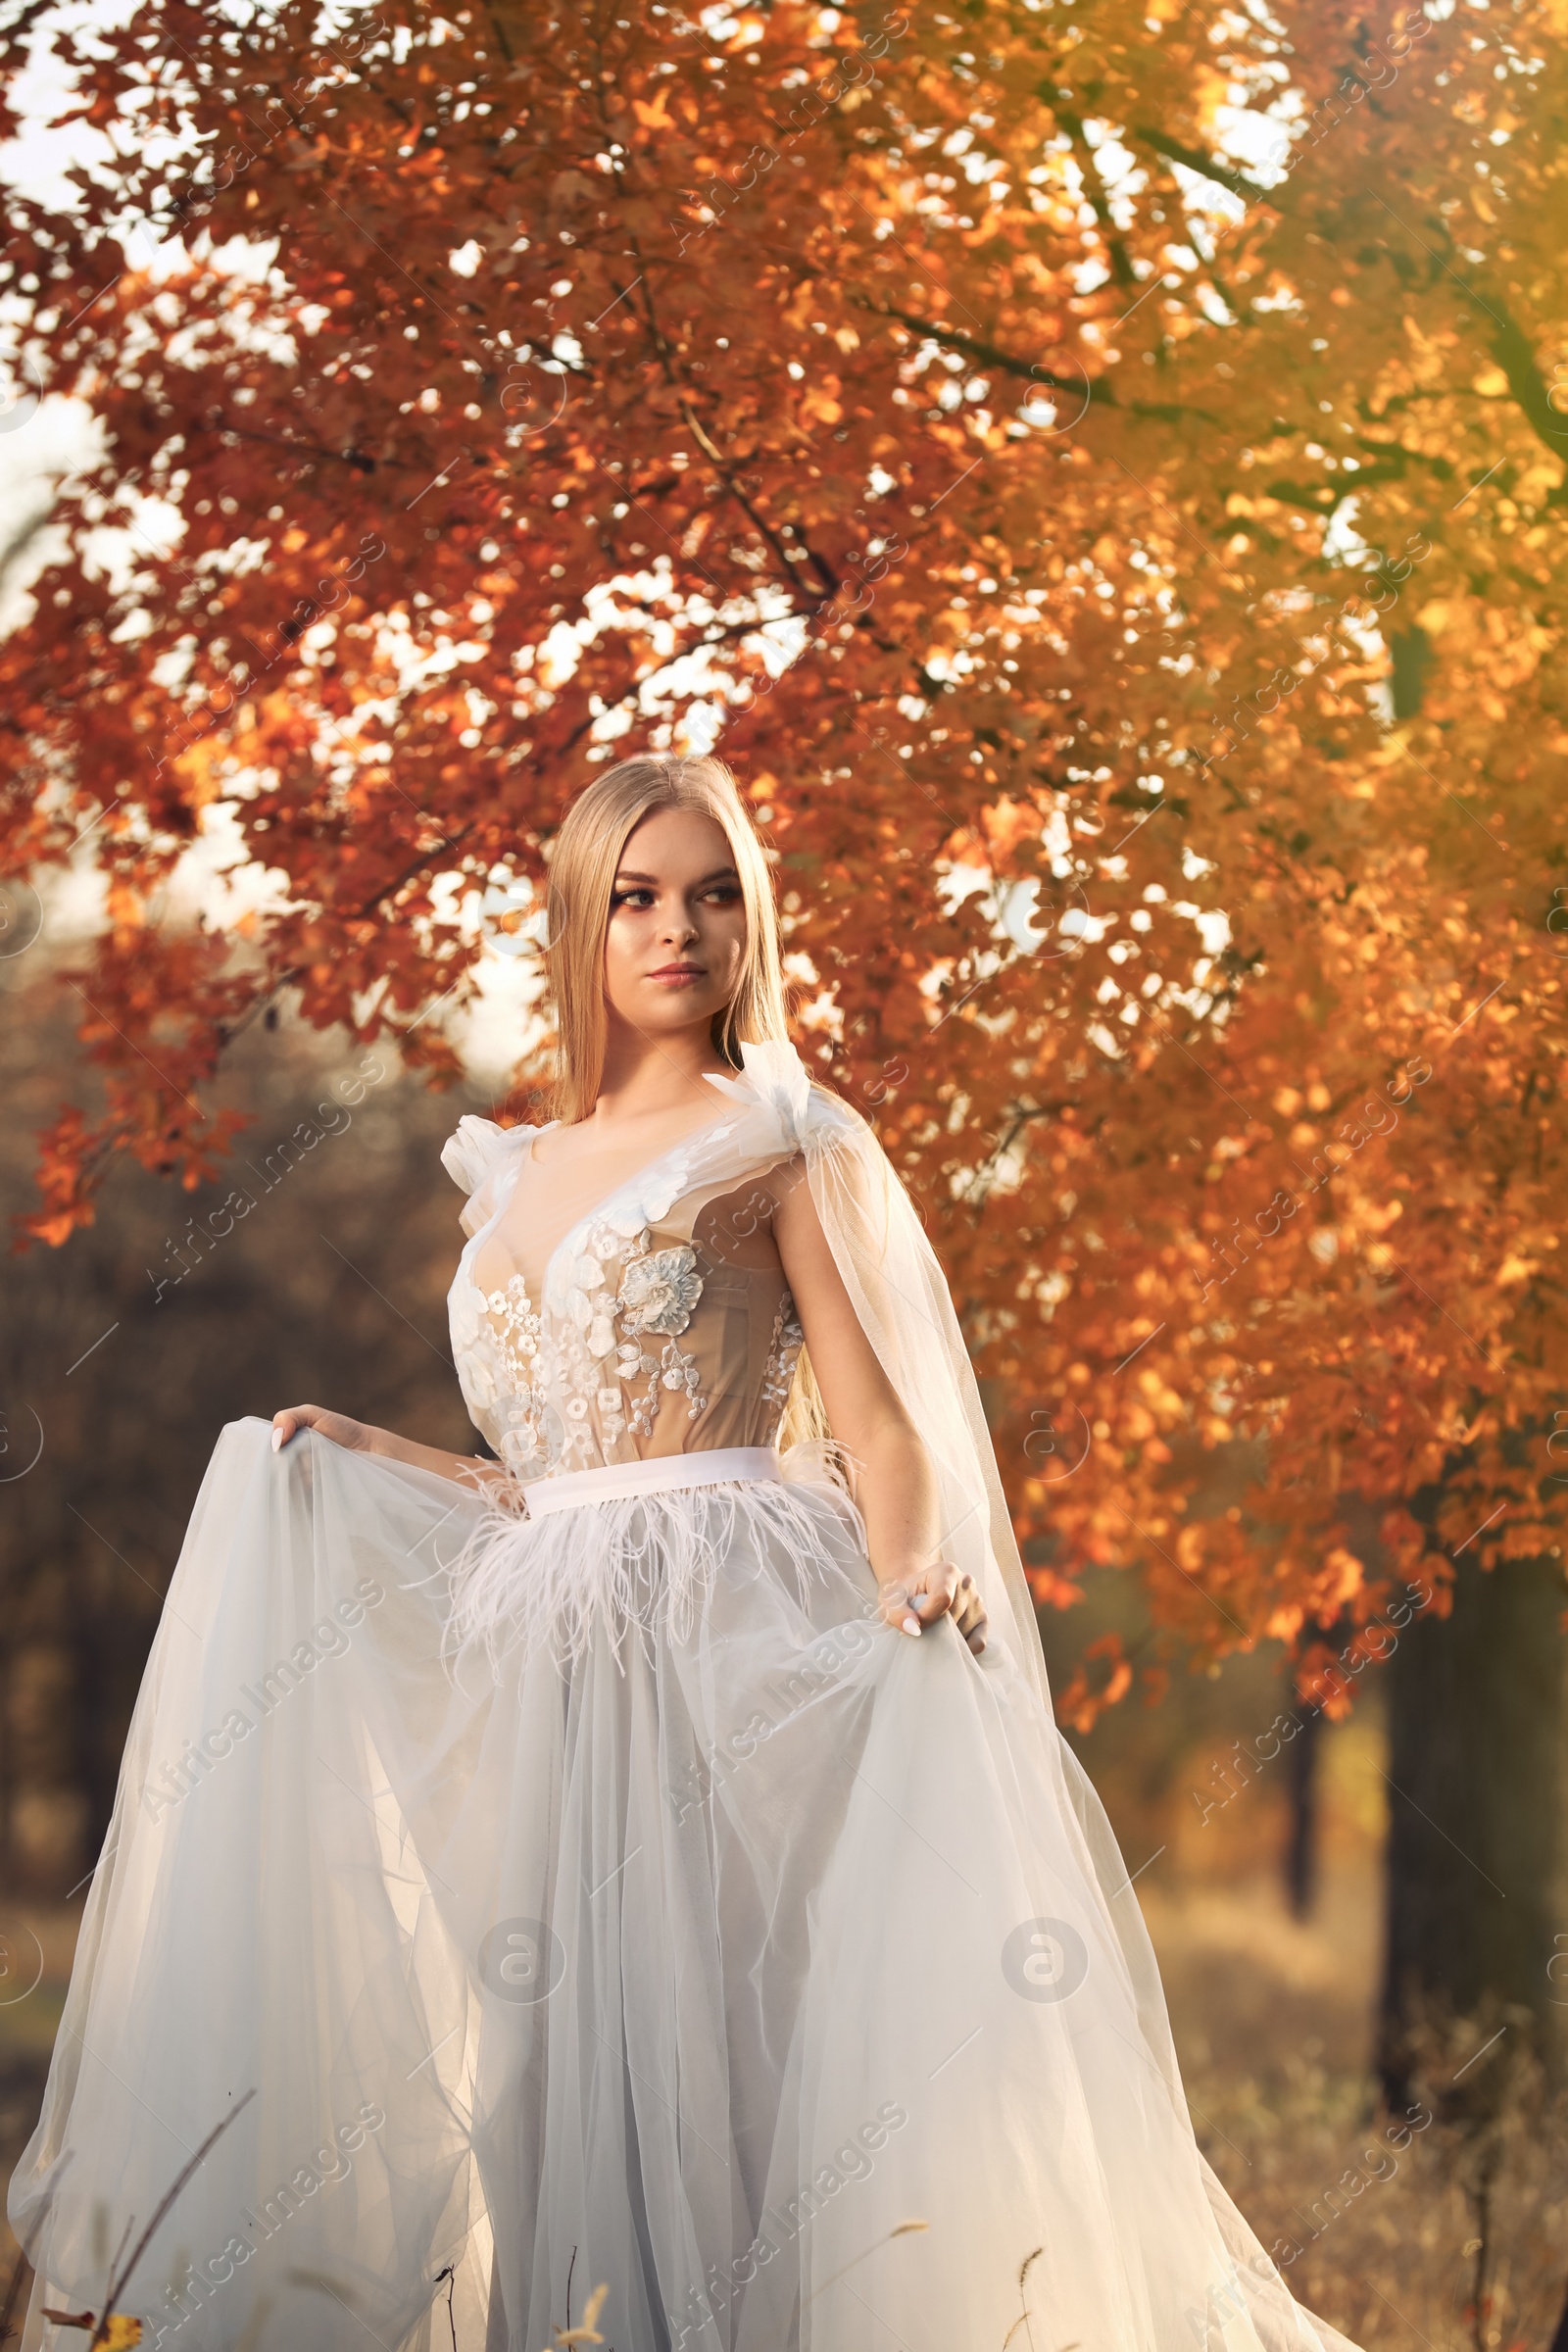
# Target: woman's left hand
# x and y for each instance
(916, 1601)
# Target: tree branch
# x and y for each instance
(1514, 353)
(1092, 388)
(1192, 160)
(1121, 268)
(728, 476)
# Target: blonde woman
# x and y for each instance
(632, 1880)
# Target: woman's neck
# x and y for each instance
(650, 1078)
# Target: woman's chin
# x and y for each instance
(669, 1009)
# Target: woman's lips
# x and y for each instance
(679, 971)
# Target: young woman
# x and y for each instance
(641, 1865)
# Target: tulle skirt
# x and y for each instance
(678, 1931)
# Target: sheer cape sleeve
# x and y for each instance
(901, 1296)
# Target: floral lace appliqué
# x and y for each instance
(782, 1355)
(609, 1302)
(504, 1361)
(657, 1296)
(660, 1291)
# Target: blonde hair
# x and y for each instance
(582, 875)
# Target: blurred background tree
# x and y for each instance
(119, 1369)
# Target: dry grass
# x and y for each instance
(1447, 2228)
(1449, 2235)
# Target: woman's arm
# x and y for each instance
(360, 1437)
(896, 1486)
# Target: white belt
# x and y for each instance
(667, 1474)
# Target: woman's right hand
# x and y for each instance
(357, 1437)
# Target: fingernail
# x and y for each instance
(912, 1625)
(278, 1439)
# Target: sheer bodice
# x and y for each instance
(659, 1323)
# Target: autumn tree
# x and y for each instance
(1100, 474)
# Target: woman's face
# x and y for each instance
(677, 940)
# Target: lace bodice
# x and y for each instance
(661, 1322)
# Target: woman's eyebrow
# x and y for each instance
(720, 873)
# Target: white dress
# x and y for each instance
(595, 1893)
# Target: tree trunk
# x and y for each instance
(1302, 1788)
(1476, 1777)
(7, 1777)
(1559, 2342)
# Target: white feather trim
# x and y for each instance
(640, 1564)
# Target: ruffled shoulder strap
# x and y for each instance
(480, 1157)
(775, 1075)
(479, 1150)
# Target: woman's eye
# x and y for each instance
(632, 897)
